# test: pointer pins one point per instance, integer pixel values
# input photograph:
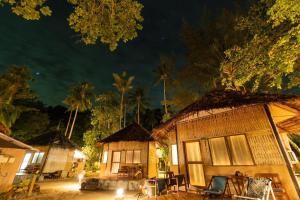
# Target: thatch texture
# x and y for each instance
(133, 132)
(226, 99)
(55, 138)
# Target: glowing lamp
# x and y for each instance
(120, 193)
(78, 154)
(80, 177)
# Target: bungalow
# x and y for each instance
(225, 132)
(56, 154)
(132, 148)
(12, 153)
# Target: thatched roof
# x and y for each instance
(225, 99)
(133, 132)
(55, 138)
(9, 142)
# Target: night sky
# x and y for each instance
(58, 60)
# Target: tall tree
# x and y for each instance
(107, 21)
(80, 99)
(14, 87)
(123, 83)
(270, 59)
(163, 74)
(139, 102)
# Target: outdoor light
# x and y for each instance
(80, 177)
(78, 154)
(119, 193)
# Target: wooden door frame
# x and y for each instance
(186, 162)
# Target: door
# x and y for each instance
(194, 163)
(116, 159)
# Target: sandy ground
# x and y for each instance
(69, 190)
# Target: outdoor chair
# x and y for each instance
(155, 187)
(257, 189)
(217, 187)
(176, 182)
(277, 186)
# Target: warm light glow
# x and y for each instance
(73, 187)
(80, 176)
(174, 154)
(78, 154)
(105, 155)
(120, 193)
(158, 153)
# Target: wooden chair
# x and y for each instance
(257, 189)
(217, 187)
(176, 182)
(277, 186)
(239, 183)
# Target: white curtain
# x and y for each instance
(219, 153)
(137, 157)
(239, 150)
(193, 152)
(129, 156)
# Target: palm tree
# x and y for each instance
(80, 99)
(163, 74)
(139, 101)
(123, 83)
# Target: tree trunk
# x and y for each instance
(138, 112)
(70, 116)
(165, 98)
(121, 109)
(74, 119)
(125, 111)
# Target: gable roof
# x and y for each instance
(9, 142)
(133, 132)
(227, 99)
(53, 137)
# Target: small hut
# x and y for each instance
(132, 148)
(225, 132)
(58, 155)
(12, 154)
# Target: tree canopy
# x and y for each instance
(106, 21)
(269, 60)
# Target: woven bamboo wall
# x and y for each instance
(152, 161)
(251, 121)
(264, 148)
(236, 121)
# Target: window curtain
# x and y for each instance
(137, 157)
(219, 153)
(193, 151)
(239, 150)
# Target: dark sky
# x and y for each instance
(57, 60)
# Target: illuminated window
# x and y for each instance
(137, 156)
(129, 157)
(25, 161)
(174, 154)
(116, 162)
(219, 152)
(104, 158)
(240, 152)
(37, 158)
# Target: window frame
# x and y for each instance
(103, 156)
(112, 161)
(229, 150)
(176, 155)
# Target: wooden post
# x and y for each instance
(32, 185)
(282, 149)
